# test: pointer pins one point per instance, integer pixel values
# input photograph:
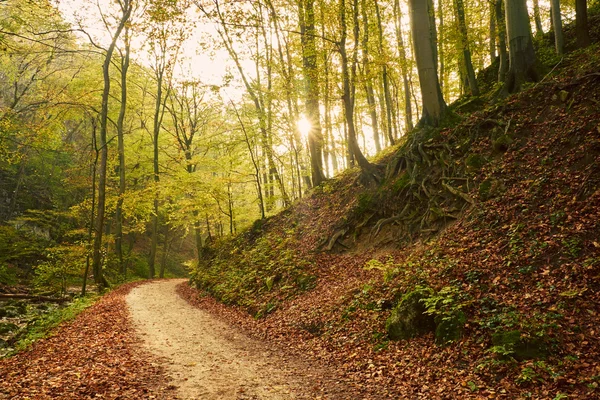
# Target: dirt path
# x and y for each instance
(208, 359)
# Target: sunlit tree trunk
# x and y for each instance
(423, 34)
(367, 77)
(121, 151)
(97, 248)
(522, 60)
(408, 120)
(311, 76)
(559, 42)
(459, 9)
(502, 51)
(348, 84)
(493, 34)
(539, 30)
(385, 76)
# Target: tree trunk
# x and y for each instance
(97, 248)
(502, 51)
(408, 121)
(581, 24)
(559, 42)
(384, 77)
(492, 48)
(166, 246)
(348, 84)
(539, 30)
(311, 76)
(121, 151)
(434, 106)
(368, 79)
(459, 9)
(522, 60)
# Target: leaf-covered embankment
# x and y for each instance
(509, 255)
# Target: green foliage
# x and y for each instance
(64, 265)
(253, 276)
(8, 275)
(409, 318)
(41, 326)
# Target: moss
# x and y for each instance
(475, 162)
(519, 347)
(408, 318)
(502, 143)
(450, 329)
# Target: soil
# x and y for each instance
(208, 359)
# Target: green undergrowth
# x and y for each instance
(41, 324)
(256, 276)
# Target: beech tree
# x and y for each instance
(424, 42)
(522, 59)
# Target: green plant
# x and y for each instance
(64, 264)
(42, 326)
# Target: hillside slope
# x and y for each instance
(492, 225)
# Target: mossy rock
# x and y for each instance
(408, 318)
(502, 143)
(450, 329)
(520, 347)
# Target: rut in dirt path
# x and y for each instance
(208, 359)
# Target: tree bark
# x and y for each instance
(385, 78)
(348, 85)
(559, 41)
(423, 35)
(367, 77)
(522, 60)
(581, 24)
(539, 30)
(502, 51)
(311, 75)
(492, 48)
(121, 151)
(408, 120)
(97, 248)
(459, 9)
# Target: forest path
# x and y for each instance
(207, 358)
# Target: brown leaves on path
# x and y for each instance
(94, 356)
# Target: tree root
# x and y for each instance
(335, 237)
(458, 193)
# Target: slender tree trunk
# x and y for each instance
(493, 34)
(434, 106)
(384, 77)
(441, 53)
(368, 79)
(156, 176)
(311, 76)
(522, 60)
(97, 249)
(165, 254)
(408, 120)
(92, 207)
(581, 24)
(348, 84)
(121, 151)
(502, 51)
(539, 30)
(459, 9)
(559, 42)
